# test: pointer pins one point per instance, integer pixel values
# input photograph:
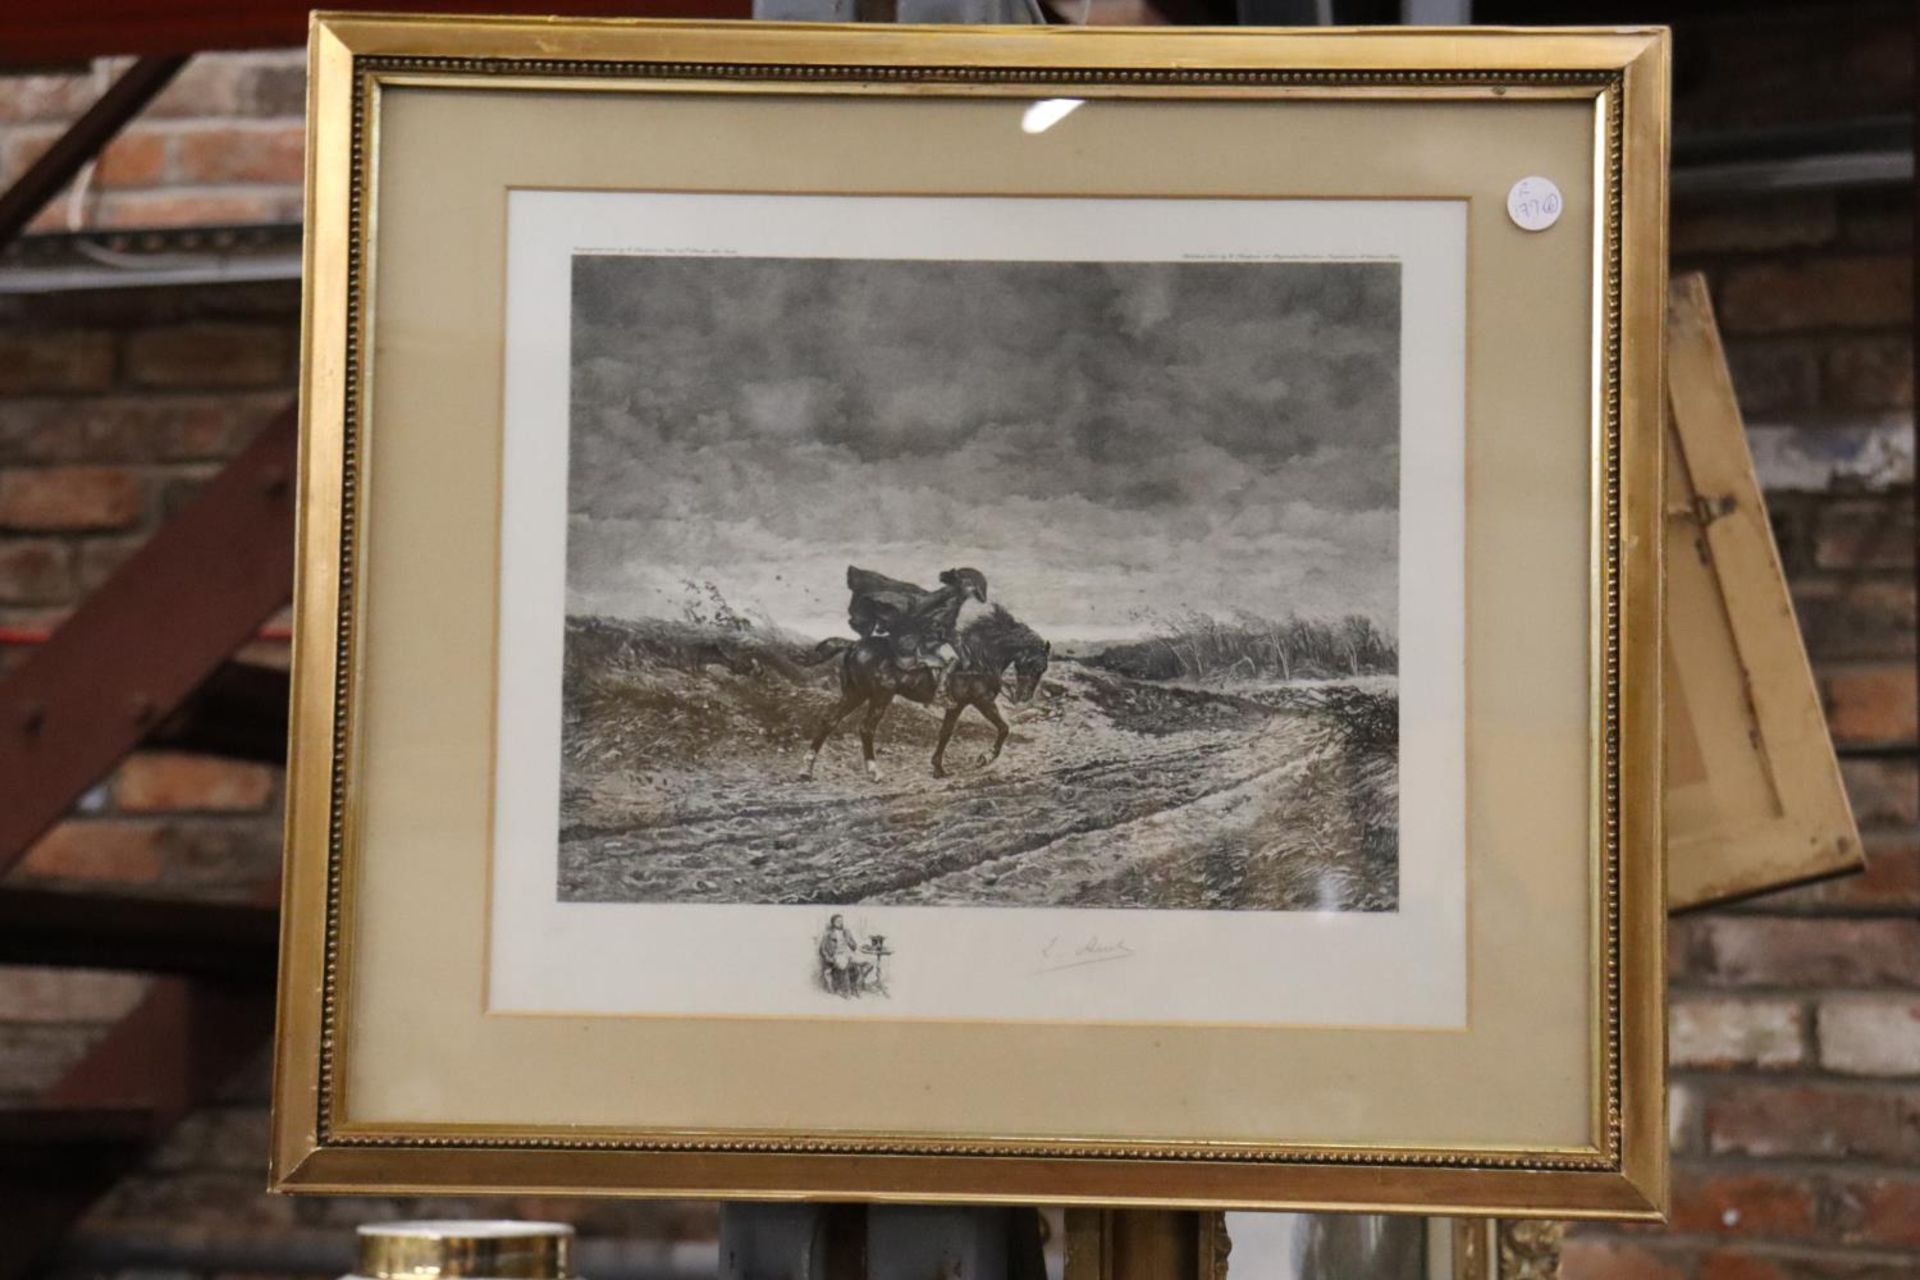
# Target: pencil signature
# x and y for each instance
(1060, 953)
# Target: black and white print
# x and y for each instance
(853, 963)
(981, 583)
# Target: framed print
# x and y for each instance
(980, 615)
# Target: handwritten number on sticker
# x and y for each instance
(1534, 203)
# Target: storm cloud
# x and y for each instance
(1105, 440)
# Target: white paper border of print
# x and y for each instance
(1405, 968)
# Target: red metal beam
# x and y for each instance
(29, 1129)
(175, 1051)
(53, 1158)
(38, 31)
(141, 644)
(240, 713)
(139, 933)
(273, 631)
(83, 140)
(183, 1042)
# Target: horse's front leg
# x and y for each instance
(1000, 731)
(845, 707)
(875, 710)
(946, 732)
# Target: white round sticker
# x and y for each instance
(1534, 204)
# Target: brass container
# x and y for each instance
(482, 1250)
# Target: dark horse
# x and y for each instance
(871, 678)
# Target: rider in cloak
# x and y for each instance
(922, 624)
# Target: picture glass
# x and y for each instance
(982, 607)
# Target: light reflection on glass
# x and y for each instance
(1048, 112)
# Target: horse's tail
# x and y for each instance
(831, 647)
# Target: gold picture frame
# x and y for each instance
(393, 1073)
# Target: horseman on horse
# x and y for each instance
(946, 648)
(923, 626)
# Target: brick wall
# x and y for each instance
(113, 407)
(1796, 1021)
(222, 144)
(1795, 1030)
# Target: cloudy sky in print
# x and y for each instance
(1108, 442)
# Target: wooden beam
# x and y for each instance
(38, 31)
(152, 634)
(232, 940)
(46, 177)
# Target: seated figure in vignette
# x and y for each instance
(840, 962)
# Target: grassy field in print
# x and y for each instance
(1238, 764)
